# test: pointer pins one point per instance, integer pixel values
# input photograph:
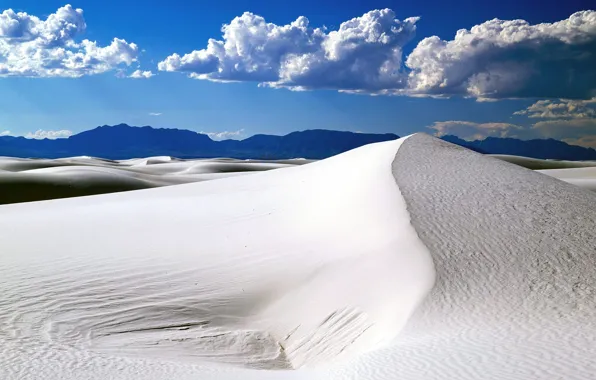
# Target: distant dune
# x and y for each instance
(26, 180)
(539, 164)
(23, 180)
(582, 177)
(412, 259)
(578, 173)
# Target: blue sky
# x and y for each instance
(502, 91)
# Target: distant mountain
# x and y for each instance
(544, 149)
(316, 144)
(123, 141)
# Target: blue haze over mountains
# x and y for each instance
(123, 141)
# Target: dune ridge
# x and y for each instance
(514, 253)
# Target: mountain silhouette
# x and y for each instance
(538, 148)
(123, 141)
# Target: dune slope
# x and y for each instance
(515, 258)
(287, 269)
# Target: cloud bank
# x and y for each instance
(42, 134)
(572, 121)
(138, 74)
(493, 60)
(561, 109)
(32, 47)
(365, 53)
(499, 59)
(224, 135)
(468, 130)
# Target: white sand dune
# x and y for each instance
(539, 164)
(582, 177)
(578, 173)
(408, 259)
(24, 180)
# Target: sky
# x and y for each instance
(514, 68)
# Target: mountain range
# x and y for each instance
(123, 141)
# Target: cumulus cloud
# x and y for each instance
(468, 130)
(494, 60)
(562, 108)
(365, 53)
(224, 135)
(585, 141)
(573, 131)
(5, 133)
(42, 134)
(138, 74)
(573, 121)
(155, 113)
(32, 47)
(499, 59)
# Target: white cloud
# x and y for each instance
(41, 134)
(224, 135)
(364, 54)
(572, 121)
(573, 131)
(155, 113)
(5, 133)
(585, 141)
(562, 108)
(493, 60)
(138, 74)
(468, 130)
(499, 59)
(32, 47)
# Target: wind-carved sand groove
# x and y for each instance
(515, 257)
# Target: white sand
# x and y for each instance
(582, 177)
(296, 268)
(318, 267)
(540, 164)
(515, 256)
(157, 171)
(66, 177)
